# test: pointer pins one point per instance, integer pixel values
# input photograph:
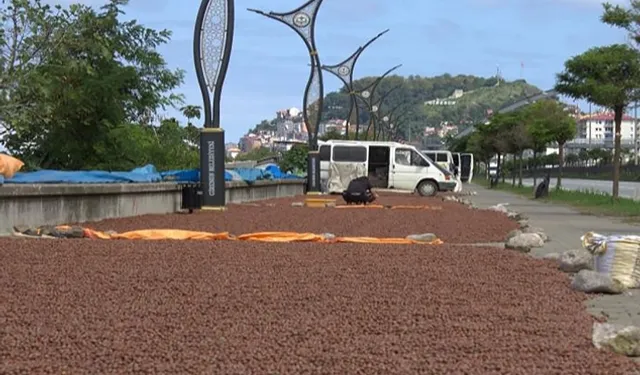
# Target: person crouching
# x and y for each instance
(359, 191)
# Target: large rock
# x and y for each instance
(552, 256)
(573, 261)
(618, 339)
(538, 231)
(500, 207)
(513, 233)
(524, 242)
(594, 282)
(515, 216)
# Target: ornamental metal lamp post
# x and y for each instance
(302, 20)
(367, 95)
(386, 130)
(212, 42)
(375, 112)
(344, 72)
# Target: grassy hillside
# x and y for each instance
(481, 94)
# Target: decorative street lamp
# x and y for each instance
(385, 130)
(302, 20)
(344, 72)
(367, 96)
(375, 112)
(212, 42)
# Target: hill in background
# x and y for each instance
(475, 96)
(471, 96)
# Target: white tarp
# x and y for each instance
(340, 174)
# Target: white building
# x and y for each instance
(599, 128)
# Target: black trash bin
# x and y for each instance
(191, 197)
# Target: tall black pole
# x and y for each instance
(344, 72)
(367, 96)
(302, 20)
(212, 43)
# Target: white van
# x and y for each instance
(388, 165)
(443, 157)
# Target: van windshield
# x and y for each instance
(436, 165)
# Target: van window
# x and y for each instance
(354, 154)
(325, 153)
(406, 156)
(442, 157)
(430, 155)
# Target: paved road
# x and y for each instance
(627, 189)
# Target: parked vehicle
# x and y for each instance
(456, 163)
(466, 167)
(389, 165)
(444, 158)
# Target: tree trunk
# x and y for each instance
(618, 111)
(560, 164)
(498, 167)
(534, 168)
(513, 171)
(520, 169)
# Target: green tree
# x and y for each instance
(518, 140)
(295, 160)
(550, 122)
(191, 112)
(625, 18)
(101, 72)
(331, 134)
(607, 76)
(255, 154)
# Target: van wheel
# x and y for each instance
(427, 189)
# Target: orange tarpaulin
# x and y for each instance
(284, 237)
(281, 237)
(9, 166)
(401, 207)
(158, 234)
(386, 241)
(360, 206)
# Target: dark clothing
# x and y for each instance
(359, 185)
(359, 191)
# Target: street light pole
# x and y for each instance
(375, 111)
(302, 20)
(212, 43)
(388, 116)
(366, 95)
(344, 72)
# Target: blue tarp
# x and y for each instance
(276, 173)
(82, 177)
(187, 175)
(148, 173)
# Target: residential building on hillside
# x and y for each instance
(599, 127)
(451, 100)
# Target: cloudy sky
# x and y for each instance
(269, 67)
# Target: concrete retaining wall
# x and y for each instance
(35, 205)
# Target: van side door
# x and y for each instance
(407, 167)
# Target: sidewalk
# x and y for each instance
(564, 226)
